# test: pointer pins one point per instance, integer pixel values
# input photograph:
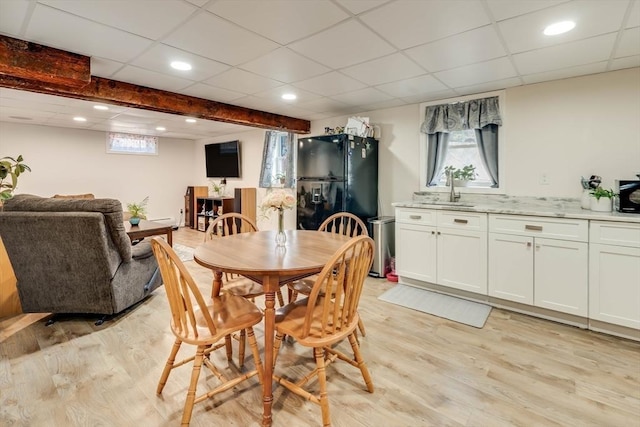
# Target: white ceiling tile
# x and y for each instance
(282, 21)
(490, 86)
(503, 9)
(330, 84)
(198, 3)
(358, 6)
(12, 15)
(102, 67)
(284, 65)
(592, 17)
(408, 23)
(362, 97)
(472, 46)
(322, 105)
(148, 78)
(580, 70)
(243, 81)
(51, 27)
(275, 95)
(160, 56)
(343, 45)
(395, 102)
(383, 70)
(200, 90)
(136, 17)
(214, 38)
(634, 16)
(629, 43)
(424, 97)
(483, 72)
(413, 86)
(628, 62)
(566, 55)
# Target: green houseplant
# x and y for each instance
(137, 211)
(10, 169)
(601, 199)
(460, 176)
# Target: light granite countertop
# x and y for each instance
(536, 206)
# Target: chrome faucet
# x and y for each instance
(453, 196)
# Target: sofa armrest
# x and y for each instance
(141, 250)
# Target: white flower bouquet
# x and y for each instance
(278, 200)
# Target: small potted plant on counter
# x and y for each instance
(602, 199)
(461, 177)
(137, 211)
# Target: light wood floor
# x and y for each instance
(516, 371)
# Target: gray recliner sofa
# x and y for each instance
(74, 256)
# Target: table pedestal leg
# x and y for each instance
(270, 285)
(217, 283)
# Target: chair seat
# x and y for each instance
(230, 313)
(305, 286)
(290, 321)
(243, 287)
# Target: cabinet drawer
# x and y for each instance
(552, 228)
(615, 233)
(416, 216)
(462, 220)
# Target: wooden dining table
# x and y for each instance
(256, 256)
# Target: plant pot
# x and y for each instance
(134, 221)
(603, 204)
(460, 182)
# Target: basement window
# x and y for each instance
(129, 143)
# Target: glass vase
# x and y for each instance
(281, 237)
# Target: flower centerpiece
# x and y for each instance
(278, 200)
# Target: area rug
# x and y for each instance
(185, 253)
(451, 308)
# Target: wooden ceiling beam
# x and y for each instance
(24, 69)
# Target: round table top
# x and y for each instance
(256, 253)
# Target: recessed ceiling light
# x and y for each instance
(182, 66)
(289, 96)
(160, 128)
(190, 120)
(101, 107)
(559, 28)
(79, 119)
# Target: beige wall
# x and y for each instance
(565, 129)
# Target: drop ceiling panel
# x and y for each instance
(358, 6)
(12, 14)
(214, 38)
(489, 86)
(201, 90)
(102, 67)
(136, 17)
(414, 86)
(472, 46)
(474, 74)
(54, 28)
(408, 23)
(592, 18)
(343, 45)
(242, 81)
(282, 21)
(566, 55)
(634, 16)
(362, 97)
(149, 78)
(580, 70)
(330, 84)
(503, 9)
(284, 65)
(160, 56)
(629, 43)
(383, 70)
(628, 62)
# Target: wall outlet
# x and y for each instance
(544, 179)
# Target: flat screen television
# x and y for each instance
(223, 159)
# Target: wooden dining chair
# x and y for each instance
(225, 225)
(344, 223)
(321, 322)
(203, 323)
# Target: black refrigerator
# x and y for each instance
(336, 173)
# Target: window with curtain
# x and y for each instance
(278, 160)
(463, 133)
(128, 143)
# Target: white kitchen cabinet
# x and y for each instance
(539, 261)
(614, 273)
(447, 248)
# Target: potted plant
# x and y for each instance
(602, 199)
(10, 168)
(461, 177)
(138, 211)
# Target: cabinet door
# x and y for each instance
(462, 259)
(560, 276)
(416, 252)
(614, 284)
(511, 267)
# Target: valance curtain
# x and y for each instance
(483, 115)
(277, 160)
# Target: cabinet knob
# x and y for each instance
(533, 227)
(438, 233)
(415, 216)
(528, 244)
(433, 232)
